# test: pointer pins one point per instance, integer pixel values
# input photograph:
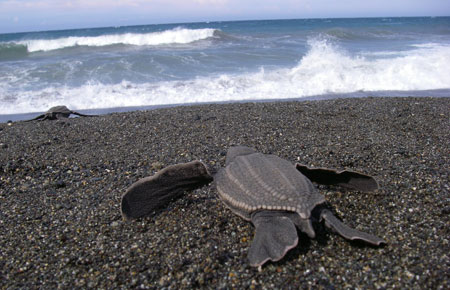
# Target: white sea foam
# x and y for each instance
(173, 36)
(325, 69)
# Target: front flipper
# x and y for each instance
(275, 235)
(150, 193)
(348, 179)
(345, 231)
(36, 118)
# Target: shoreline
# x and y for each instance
(62, 182)
(440, 93)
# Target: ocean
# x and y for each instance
(123, 68)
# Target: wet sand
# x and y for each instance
(62, 181)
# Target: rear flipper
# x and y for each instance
(336, 225)
(151, 193)
(274, 237)
(82, 115)
(346, 178)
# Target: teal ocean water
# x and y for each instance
(153, 65)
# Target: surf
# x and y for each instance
(140, 66)
(325, 69)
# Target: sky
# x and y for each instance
(38, 15)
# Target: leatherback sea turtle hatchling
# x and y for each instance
(272, 193)
(58, 112)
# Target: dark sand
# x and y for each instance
(62, 181)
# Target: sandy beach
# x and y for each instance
(62, 181)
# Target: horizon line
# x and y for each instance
(216, 21)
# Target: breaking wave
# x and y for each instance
(172, 36)
(12, 51)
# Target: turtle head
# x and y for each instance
(236, 151)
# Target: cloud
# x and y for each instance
(27, 4)
(104, 3)
(83, 13)
(215, 2)
(61, 4)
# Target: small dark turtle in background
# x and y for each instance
(58, 112)
(272, 193)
